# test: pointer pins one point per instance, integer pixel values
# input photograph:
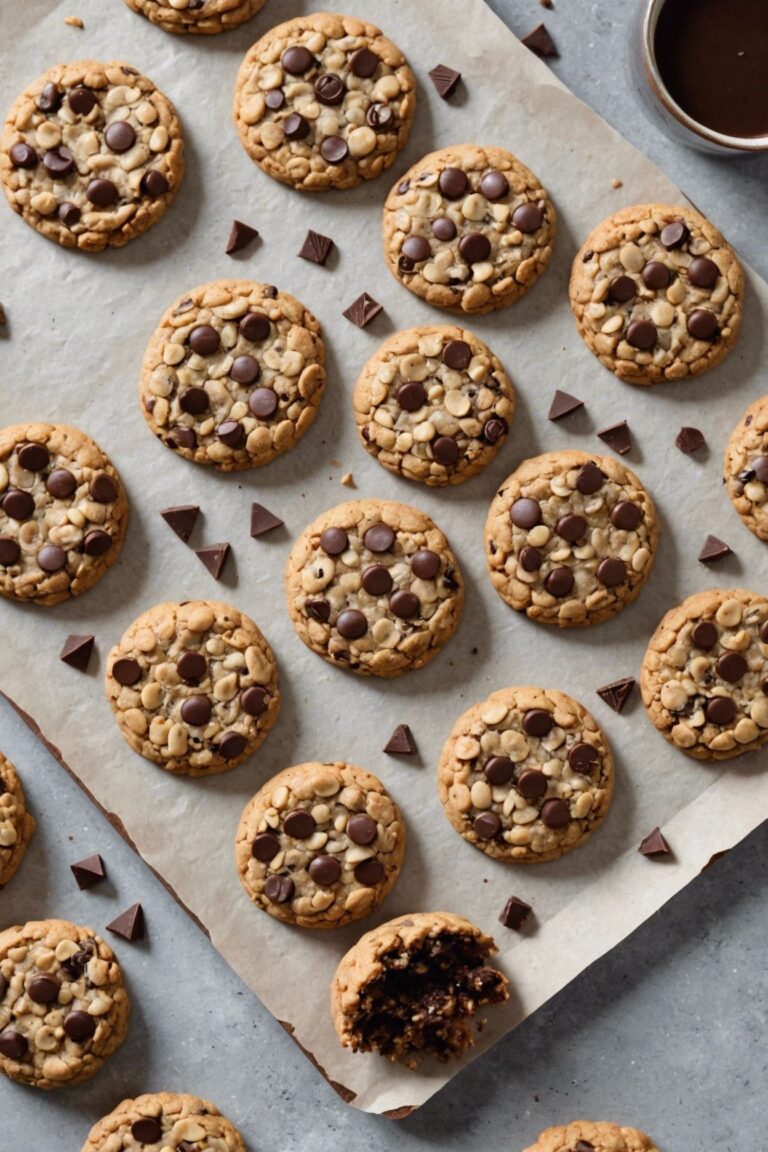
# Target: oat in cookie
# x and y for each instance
(745, 468)
(469, 229)
(63, 1007)
(592, 1136)
(63, 512)
(657, 293)
(17, 825)
(324, 101)
(374, 587)
(193, 686)
(203, 17)
(570, 538)
(526, 775)
(171, 1121)
(320, 845)
(233, 375)
(92, 154)
(704, 678)
(434, 404)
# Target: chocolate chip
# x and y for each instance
(59, 162)
(379, 538)
(703, 272)
(445, 451)
(764, 632)
(101, 193)
(231, 745)
(50, 98)
(759, 465)
(44, 989)
(555, 814)
(154, 183)
(611, 571)
(532, 784)
(299, 824)
(255, 327)
(656, 275)
(295, 127)
(275, 99)
(622, 289)
(584, 1146)
(531, 559)
(240, 236)
(325, 870)
(79, 1026)
(515, 913)
(231, 433)
(401, 742)
(76, 652)
(704, 635)
(12, 1044)
(411, 396)
(263, 521)
(329, 89)
(334, 541)
(494, 429)
(351, 624)
(316, 247)
(425, 564)
(590, 478)
(653, 844)
(537, 722)
(191, 666)
(571, 527)
(204, 340)
(616, 694)
(380, 117)
(559, 582)
(181, 519)
(361, 829)
(23, 156)
(731, 667)
(499, 770)
(82, 101)
(334, 149)
(182, 437)
(525, 513)
(642, 334)
(263, 403)
(540, 42)
(97, 542)
(445, 80)
(563, 404)
(527, 218)
(721, 710)
(129, 924)
(194, 401)
(265, 847)
(279, 889)
(702, 324)
(103, 488)
(416, 248)
(253, 700)
(126, 671)
(9, 551)
(405, 605)
(674, 235)
(364, 63)
(296, 59)
(582, 757)
(443, 228)
(147, 1130)
(713, 550)
(120, 136)
(369, 873)
(475, 247)
(363, 310)
(51, 558)
(196, 711)
(214, 557)
(457, 354)
(618, 437)
(487, 825)
(626, 515)
(61, 483)
(453, 183)
(377, 580)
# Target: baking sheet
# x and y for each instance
(77, 328)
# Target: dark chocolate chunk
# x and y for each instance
(262, 520)
(239, 237)
(89, 871)
(563, 404)
(616, 694)
(214, 557)
(445, 80)
(654, 844)
(515, 913)
(401, 742)
(181, 519)
(618, 437)
(129, 924)
(363, 310)
(689, 439)
(540, 42)
(316, 247)
(77, 651)
(713, 550)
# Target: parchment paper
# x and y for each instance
(77, 329)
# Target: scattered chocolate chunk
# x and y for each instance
(262, 520)
(445, 79)
(714, 550)
(3, 317)
(563, 404)
(546, 3)
(615, 695)
(181, 519)
(316, 247)
(77, 652)
(689, 440)
(401, 742)
(214, 557)
(129, 924)
(89, 871)
(515, 913)
(618, 437)
(654, 844)
(540, 42)
(363, 310)
(240, 237)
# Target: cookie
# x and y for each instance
(374, 587)
(412, 988)
(63, 512)
(193, 686)
(570, 538)
(526, 775)
(469, 229)
(205, 17)
(434, 404)
(167, 1120)
(63, 1007)
(17, 826)
(745, 468)
(704, 678)
(92, 154)
(233, 375)
(324, 101)
(657, 293)
(320, 845)
(592, 1136)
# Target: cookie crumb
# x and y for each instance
(74, 22)
(616, 183)
(348, 480)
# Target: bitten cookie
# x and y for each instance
(705, 674)
(92, 154)
(324, 101)
(320, 845)
(374, 587)
(570, 538)
(657, 293)
(63, 512)
(526, 776)
(412, 988)
(205, 17)
(592, 1136)
(434, 404)
(167, 1120)
(193, 686)
(745, 468)
(469, 229)
(233, 375)
(63, 1007)
(17, 826)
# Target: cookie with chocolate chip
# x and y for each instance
(203, 17)
(657, 293)
(745, 467)
(373, 587)
(320, 845)
(324, 101)
(469, 229)
(526, 775)
(63, 1007)
(168, 1120)
(17, 825)
(704, 677)
(570, 538)
(434, 404)
(592, 1136)
(193, 686)
(92, 154)
(233, 375)
(63, 512)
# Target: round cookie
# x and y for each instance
(166, 1120)
(526, 775)
(434, 404)
(92, 154)
(570, 538)
(205, 17)
(468, 229)
(657, 293)
(374, 587)
(63, 512)
(745, 468)
(63, 1007)
(324, 101)
(320, 845)
(704, 677)
(17, 826)
(592, 1136)
(233, 375)
(193, 686)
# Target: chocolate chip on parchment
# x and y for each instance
(181, 519)
(540, 42)
(263, 521)
(515, 913)
(214, 557)
(689, 439)
(616, 694)
(363, 310)
(89, 872)
(446, 80)
(713, 550)
(76, 652)
(147, 1130)
(240, 236)
(563, 404)
(401, 742)
(618, 437)
(129, 924)
(316, 247)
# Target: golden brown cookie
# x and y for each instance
(745, 467)
(592, 1136)
(166, 1120)
(203, 17)
(17, 825)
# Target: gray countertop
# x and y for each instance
(665, 1033)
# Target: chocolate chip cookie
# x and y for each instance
(17, 826)
(412, 988)
(63, 1007)
(745, 468)
(469, 229)
(705, 674)
(63, 512)
(324, 101)
(205, 17)
(570, 538)
(193, 686)
(92, 154)
(320, 845)
(657, 293)
(434, 404)
(374, 587)
(592, 1136)
(167, 1120)
(233, 375)
(526, 776)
